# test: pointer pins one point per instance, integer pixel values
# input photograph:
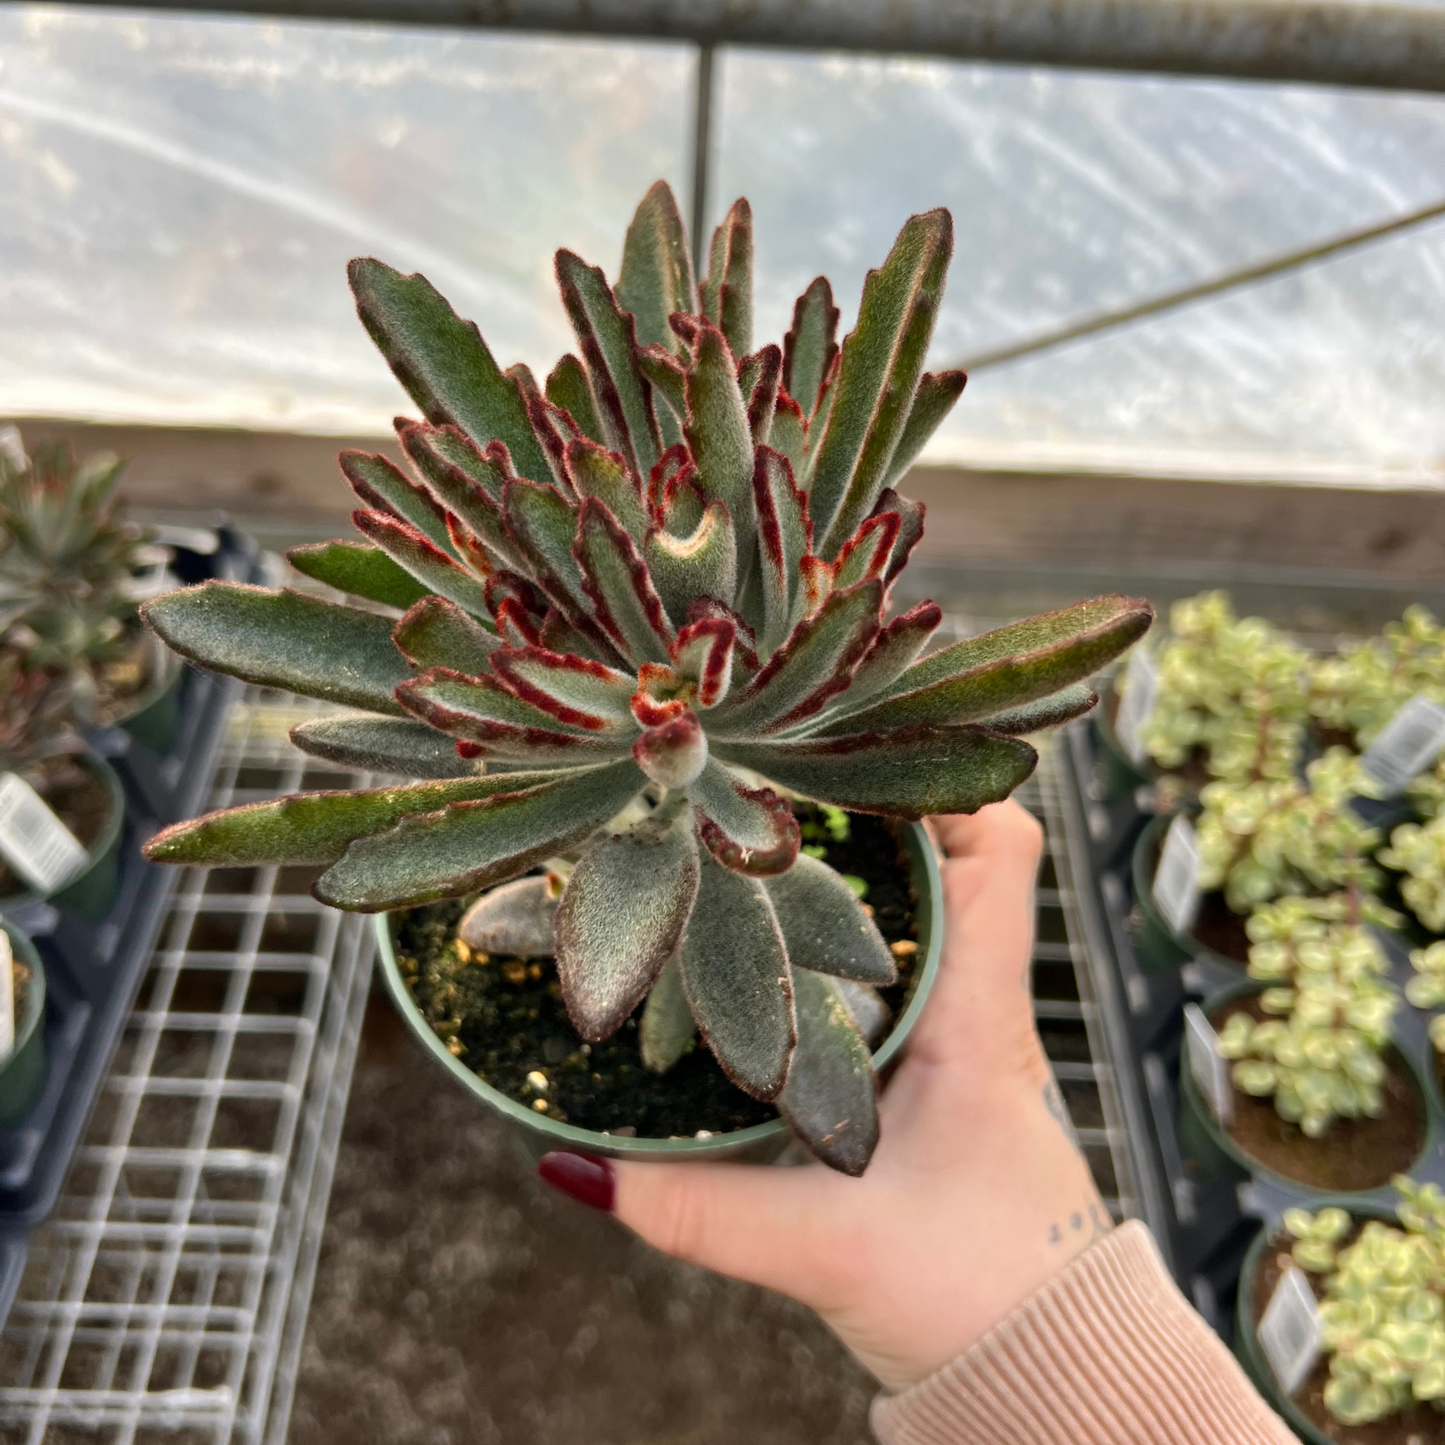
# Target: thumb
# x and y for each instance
(755, 1222)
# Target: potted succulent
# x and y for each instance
(1380, 1283)
(647, 611)
(1321, 1095)
(71, 573)
(22, 1049)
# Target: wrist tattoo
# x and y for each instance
(1082, 1227)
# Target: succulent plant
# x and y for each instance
(1418, 851)
(1362, 685)
(1427, 988)
(1260, 840)
(1427, 791)
(1233, 687)
(1382, 1321)
(1320, 1056)
(68, 568)
(645, 603)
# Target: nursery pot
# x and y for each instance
(1246, 1328)
(761, 1143)
(1218, 1154)
(92, 890)
(154, 718)
(22, 1076)
(1116, 774)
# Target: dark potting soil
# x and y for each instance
(1420, 1425)
(505, 1018)
(121, 684)
(1219, 927)
(1353, 1153)
(76, 796)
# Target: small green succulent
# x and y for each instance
(1427, 988)
(1233, 687)
(1316, 1236)
(1418, 851)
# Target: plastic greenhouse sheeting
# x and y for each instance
(180, 195)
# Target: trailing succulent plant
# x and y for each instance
(1362, 685)
(1233, 687)
(1319, 1056)
(1261, 840)
(1427, 988)
(644, 603)
(1382, 1320)
(68, 568)
(1418, 851)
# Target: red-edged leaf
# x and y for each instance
(811, 346)
(674, 752)
(788, 435)
(701, 565)
(433, 568)
(818, 423)
(726, 296)
(574, 690)
(735, 973)
(615, 579)
(554, 428)
(438, 633)
(597, 472)
(607, 337)
(517, 626)
(394, 746)
(867, 553)
(750, 830)
(505, 586)
(785, 535)
(359, 569)
(703, 653)
(672, 463)
(662, 694)
(1047, 712)
(910, 528)
(816, 577)
(718, 434)
(468, 484)
(558, 635)
(386, 489)
(745, 642)
(656, 276)
(568, 388)
(826, 928)
(620, 918)
(762, 395)
(668, 380)
(932, 402)
(892, 651)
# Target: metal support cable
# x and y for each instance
(1199, 291)
(701, 148)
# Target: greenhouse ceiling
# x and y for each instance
(182, 192)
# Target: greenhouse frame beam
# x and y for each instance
(1328, 42)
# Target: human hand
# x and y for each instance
(976, 1195)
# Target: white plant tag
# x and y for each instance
(7, 998)
(1176, 879)
(1407, 745)
(35, 843)
(1208, 1066)
(1289, 1330)
(1136, 702)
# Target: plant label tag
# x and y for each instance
(1289, 1330)
(1208, 1066)
(1407, 745)
(34, 842)
(1176, 880)
(7, 998)
(1136, 702)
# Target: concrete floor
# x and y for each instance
(460, 1302)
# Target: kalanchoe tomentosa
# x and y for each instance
(655, 592)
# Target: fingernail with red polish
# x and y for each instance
(589, 1181)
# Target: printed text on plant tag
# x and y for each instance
(1136, 702)
(1407, 745)
(1176, 880)
(1289, 1330)
(1208, 1066)
(34, 842)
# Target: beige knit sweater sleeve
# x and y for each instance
(1107, 1353)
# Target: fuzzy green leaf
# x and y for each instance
(574, 690)
(621, 915)
(668, 1027)
(812, 666)
(388, 491)
(311, 827)
(608, 341)
(878, 372)
(892, 652)
(614, 576)
(1007, 668)
(936, 396)
(443, 362)
(569, 388)
(656, 276)
(735, 971)
(703, 653)
(910, 528)
(867, 551)
(727, 294)
(908, 773)
(750, 830)
(372, 744)
(825, 926)
(701, 565)
(785, 536)
(467, 484)
(284, 639)
(433, 568)
(788, 435)
(831, 1097)
(597, 472)
(542, 524)
(357, 568)
(472, 845)
(761, 393)
(811, 344)
(438, 633)
(718, 434)
(1047, 712)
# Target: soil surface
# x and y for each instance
(1420, 1425)
(460, 1301)
(505, 1019)
(77, 797)
(1219, 927)
(1353, 1153)
(120, 684)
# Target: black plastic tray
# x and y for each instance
(93, 970)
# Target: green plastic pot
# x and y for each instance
(92, 891)
(1116, 774)
(762, 1143)
(155, 717)
(22, 1076)
(1246, 1327)
(1158, 947)
(1217, 1155)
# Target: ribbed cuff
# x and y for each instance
(1107, 1353)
